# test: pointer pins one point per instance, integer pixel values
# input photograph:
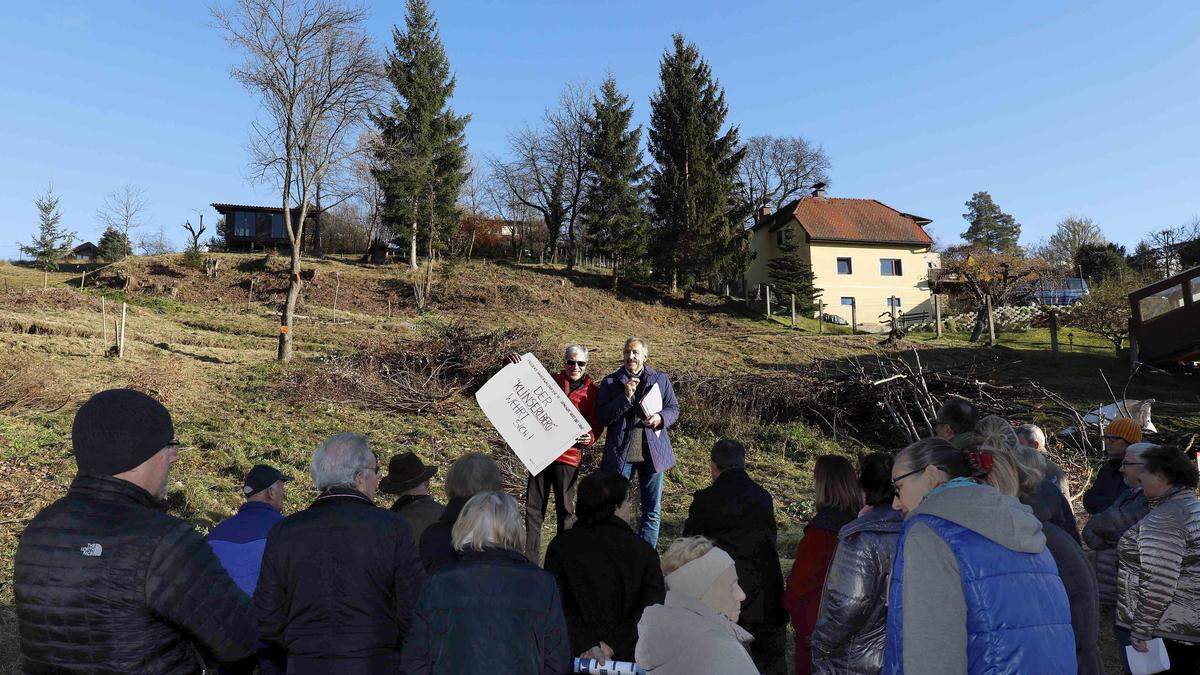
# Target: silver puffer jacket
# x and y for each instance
(1158, 573)
(850, 632)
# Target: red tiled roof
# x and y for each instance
(861, 220)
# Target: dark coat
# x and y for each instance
(1109, 485)
(436, 549)
(606, 576)
(338, 584)
(852, 620)
(489, 612)
(1050, 506)
(105, 582)
(420, 511)
(1080, 582)
(611, 414)
(739, 516)
(1103, 532)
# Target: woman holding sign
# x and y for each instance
(637, 405)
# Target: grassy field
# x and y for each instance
(205, 346)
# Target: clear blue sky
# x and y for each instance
(1053, 107)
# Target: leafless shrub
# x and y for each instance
(27, 386)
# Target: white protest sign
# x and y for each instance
(531, 412)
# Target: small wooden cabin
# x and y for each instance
(86, 252)
(250, 228)
(1165, 319)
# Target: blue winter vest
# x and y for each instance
(1018, 616)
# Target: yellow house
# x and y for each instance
(865, 255)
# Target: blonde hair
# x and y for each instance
(1016, 472)
(683, 551)
(489, 520)
(996, 434)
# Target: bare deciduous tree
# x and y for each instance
(195, 233)
(155, 243)
(124, 209)
(1071, 233)
(548, 169)
(312, 66)
(776, 170)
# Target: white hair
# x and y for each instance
(339, 459)
(489, 520)
(574, 349)
(641, 341)
(1135, 451)
(1032, 436)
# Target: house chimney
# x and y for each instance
(818, 190)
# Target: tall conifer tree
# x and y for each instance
(422, 146)
(990, 227)
(52, 242)
(695, 169)
(614, 209)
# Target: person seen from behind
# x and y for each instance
(1016, 476)
(104, 580)
(1109, 483)
(408, 477)
(491, 610)
(339, 579)
(607, 575)
(1033, 437)
(851, 623)
(470, 474)
(964, 551)
(560, 477)
(1158, 574)
(695, 630)
(838, 500)
(955, 422)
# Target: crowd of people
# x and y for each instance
(960, 553)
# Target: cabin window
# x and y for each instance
(243, 224)
(1195, 290)
(1167, 300)
(277, 231)
(845, 266)
(890, 267)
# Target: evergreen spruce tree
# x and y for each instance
(52, 242)
(695, 169)
(990, 227)
(422, 145)
(114, 245)
(791, 274)
(614, 210)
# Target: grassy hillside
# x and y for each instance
(205, 345)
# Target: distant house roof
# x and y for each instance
(86, 248)
(851, 220)
(224, 208)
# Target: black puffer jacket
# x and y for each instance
(1103, 532)
(105, 582)
(850, 632)
(338, 584)
(489, 612)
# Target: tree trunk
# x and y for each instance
(674, 282)
(317, 226)
(289, 306)
(980, 320)
(412, 246)
(471, 245)
(615, 279)
(429, 273)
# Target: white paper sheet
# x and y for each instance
(1153, 661)
(652, 404)
(531, 412)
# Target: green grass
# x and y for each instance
(1071, 340)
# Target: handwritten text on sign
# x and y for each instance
(531, 412)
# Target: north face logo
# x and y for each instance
(92, 550)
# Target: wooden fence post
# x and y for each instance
(821, 318)
(337, 284)
(793, 310)
(389, 306)
(81, 279)
(121, 339)
(1054, 332)
(937, 315)
(104, 323)
(991, 320)
(768, 302)
(250, 294)
(854, 319)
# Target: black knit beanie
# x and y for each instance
(117, 430)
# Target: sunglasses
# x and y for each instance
(581, 364)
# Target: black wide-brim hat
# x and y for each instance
(405, 472)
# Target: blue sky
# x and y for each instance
(1056, 108)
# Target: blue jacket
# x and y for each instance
(1018, 619)
(240, 539)
(611, 413)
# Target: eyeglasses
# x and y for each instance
(580, 364)
(897, 479)
(1133, 463)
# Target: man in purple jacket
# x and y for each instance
(635, 439)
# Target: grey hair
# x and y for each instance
(489, 520)
(574, 349)
(471, 474)
(641, 341)
(1032, 435)
(1135, 451)
(339, 459)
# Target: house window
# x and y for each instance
(782, 237)
(277, 231)
(243, 224)
(848, 302)
(890, 267)
(845, 266)
(893, 302)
